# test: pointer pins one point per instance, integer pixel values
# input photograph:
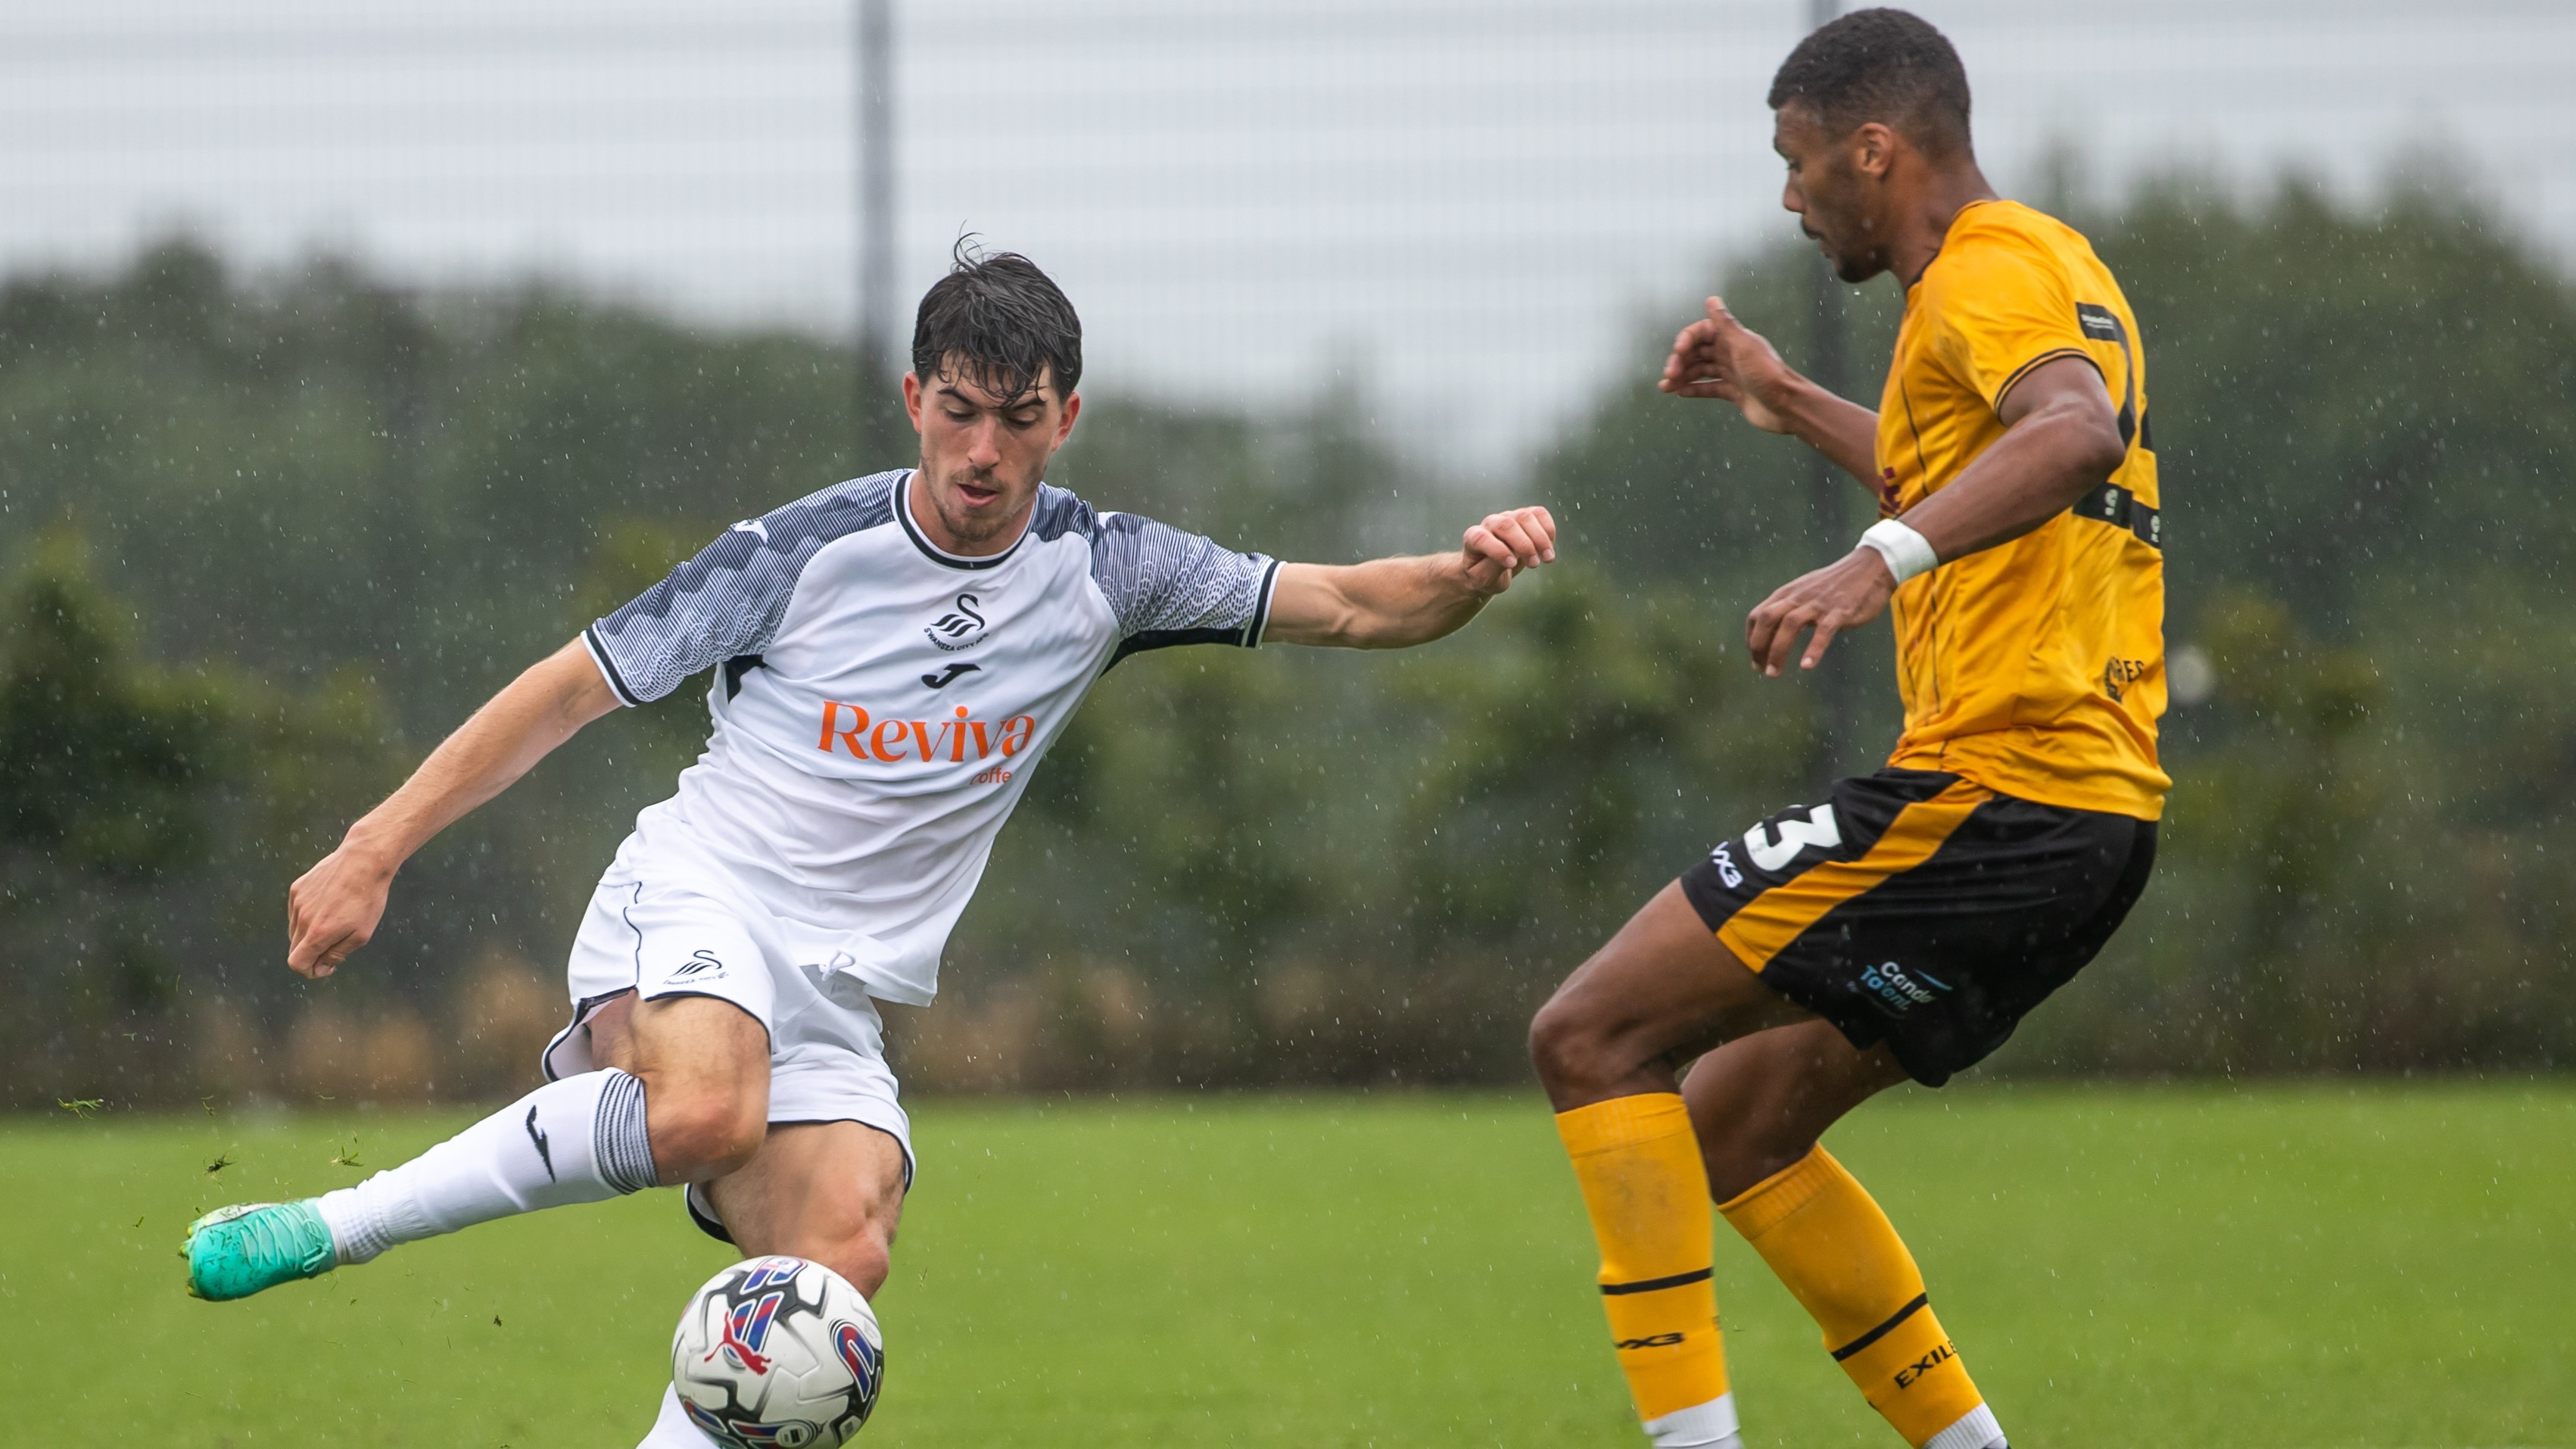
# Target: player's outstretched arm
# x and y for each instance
(2061, 439)
(1390, 603)
(1719, 357)
(334, 907)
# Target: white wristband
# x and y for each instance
(1907, 553)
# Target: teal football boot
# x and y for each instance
(235, 1252)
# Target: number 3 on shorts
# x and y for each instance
(1818, 830)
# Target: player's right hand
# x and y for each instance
(1832, 600)
(1505, 544)
(332, 910)
(1720, 357)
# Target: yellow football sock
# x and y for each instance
(1647, 1191)
(1820, 1232)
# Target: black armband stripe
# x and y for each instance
(1259, 623)
(598, 648)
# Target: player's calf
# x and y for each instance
(693, 1106)
(581, 1139)
(1605, 1047)
(1836, 1251)
(1759, 1107)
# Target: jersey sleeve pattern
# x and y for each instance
(726, 603)
(1170, 587)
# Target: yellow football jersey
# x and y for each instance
(2035, 668)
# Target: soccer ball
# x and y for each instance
(778, 1353)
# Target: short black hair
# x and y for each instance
(998, 322)
(1888, 66)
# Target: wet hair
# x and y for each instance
(998, 322)
(1887, 66)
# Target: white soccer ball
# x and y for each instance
(778, 1353)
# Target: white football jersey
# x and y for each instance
(881, 702)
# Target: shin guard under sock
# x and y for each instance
(1827, 1240)
(578, 1140)
(1647, 1192)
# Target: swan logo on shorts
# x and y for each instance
(700, 964)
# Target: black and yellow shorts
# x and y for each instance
(1922, 909)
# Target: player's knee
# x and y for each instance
(1565, 1045)
(864, 1259)
(704, 1133)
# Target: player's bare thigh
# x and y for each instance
(828, 1191)
(704, 1063)
(1661, 992)
(1759, 1103)
(1769, 1075)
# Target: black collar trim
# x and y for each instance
(932, 551)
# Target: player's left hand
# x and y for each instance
(1506, 543)
(1842, 595)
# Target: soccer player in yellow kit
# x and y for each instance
(1904, 926)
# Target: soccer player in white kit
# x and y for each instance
(892, 656)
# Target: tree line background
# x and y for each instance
(263, 540)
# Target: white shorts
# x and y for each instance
(661, 938)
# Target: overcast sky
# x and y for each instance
(1470, 200)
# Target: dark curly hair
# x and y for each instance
(1882, 65)
(999, 322)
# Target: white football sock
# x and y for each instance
(1701, 1426)
(578, 1140)
(672, 1429)
(1975, 1429)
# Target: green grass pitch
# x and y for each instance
(2299, 1266)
